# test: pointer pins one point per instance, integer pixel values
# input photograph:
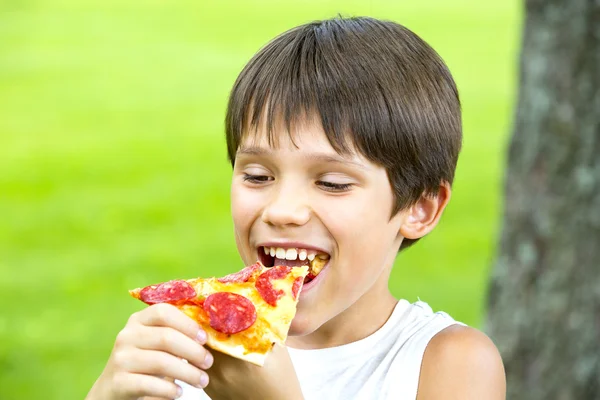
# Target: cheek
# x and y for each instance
(239, 208)
(364, 237)
(245, 204)
(245, 209)
(359, 226)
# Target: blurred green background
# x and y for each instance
(113, 170)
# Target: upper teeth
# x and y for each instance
(302, 254)
(280, 253)
(290, 254)
(293, 253)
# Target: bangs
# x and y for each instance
(305, 74)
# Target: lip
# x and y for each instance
(308, 286)
(289, 245)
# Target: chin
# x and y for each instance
(302, 325)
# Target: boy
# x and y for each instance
(344, 136)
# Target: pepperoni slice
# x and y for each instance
(309, 277)
(229, 312)
(265, 287)
(241, 276)
(298, 282)
(167, 292)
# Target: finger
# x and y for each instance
(153, 362)
(156, 398)
(170, 316)
(176, 343)
(139, 385)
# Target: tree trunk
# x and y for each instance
(544, 300)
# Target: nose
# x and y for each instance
(287, 206)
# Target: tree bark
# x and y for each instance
(544, 300)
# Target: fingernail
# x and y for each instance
(201, 336)
(203, 381)
(179, 392)
(208, 360)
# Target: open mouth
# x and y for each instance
(294, 257)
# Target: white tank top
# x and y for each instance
(384, 365)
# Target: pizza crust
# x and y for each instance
(238, 351)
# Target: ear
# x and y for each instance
(424, 215)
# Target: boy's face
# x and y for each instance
(304, 195)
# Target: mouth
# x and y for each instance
(271, 256)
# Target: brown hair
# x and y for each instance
(374, 84)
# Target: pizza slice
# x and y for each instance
(244, 314)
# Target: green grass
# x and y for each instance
(113, 170)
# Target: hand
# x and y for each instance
(231, 378)
(153, 345)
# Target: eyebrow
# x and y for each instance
(322, 157)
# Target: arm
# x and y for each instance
(461, 363)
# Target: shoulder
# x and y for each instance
(461, 363)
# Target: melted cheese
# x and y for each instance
(272, 323)
(317, 265)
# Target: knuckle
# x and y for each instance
(122, 338)
(135, 387)
(130, 385)
(164, 339)
(161, 311)
(133, 318)
(119, 359)
(121, 382)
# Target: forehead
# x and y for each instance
(307, 144)
(304, 134)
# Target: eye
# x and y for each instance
(334, 187)
(258, 179)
